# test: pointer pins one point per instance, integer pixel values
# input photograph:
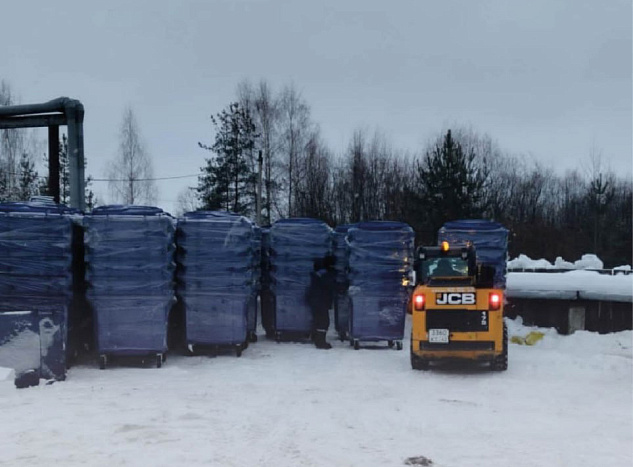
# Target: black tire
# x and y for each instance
(417, 363)
(390, 344)
(164, 357)
(103, 362)
(500, 362)
(159, 360)
(398, 345)
(252, 337)
(238, 351)
(420, 364)
(356, 344)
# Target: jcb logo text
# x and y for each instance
(455, 299)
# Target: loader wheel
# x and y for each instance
(500, 363)
(103, 362)
(420, 364)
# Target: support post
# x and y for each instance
(53, 162)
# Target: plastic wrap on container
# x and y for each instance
(131, 325)
(36, 274)
(490, 240)
(218, 276)
(129, 269)
(35, 251)
(380, 259)
(295, 244)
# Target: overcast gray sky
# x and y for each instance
(549, 78)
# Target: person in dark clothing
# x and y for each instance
(320, 296)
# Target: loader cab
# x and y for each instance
(446, 265)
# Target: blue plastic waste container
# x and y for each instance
(218, 278)
(380, 264)
(129, 271)
(295, 245)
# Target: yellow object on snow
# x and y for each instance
(531, 339)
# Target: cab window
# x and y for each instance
(444, 267)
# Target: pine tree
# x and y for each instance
(226, 181)
(64, 179)
(27, 181)
(451, 183)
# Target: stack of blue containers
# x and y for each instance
(36, 278)
(490, 240)
(218, 276)
(342, 301)
(295, 245)
(380, 265)
(129, 269)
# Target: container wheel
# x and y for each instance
(398, 345)
(238, 350)
(103, 362)
(164, 357)
(356, 344)
(390, 344)
(252, 336)
(500, 362)
(159, 360)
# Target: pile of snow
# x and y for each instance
(571, 285)
(290, 404)
(588, 261)
(626, 267)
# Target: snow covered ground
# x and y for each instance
(567, 401)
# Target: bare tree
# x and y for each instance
(264, 110)
(313, 193)
(295, 130)
(187, 201)
(131, 174)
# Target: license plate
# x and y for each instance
(438, 336)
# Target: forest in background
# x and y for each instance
(459, 174)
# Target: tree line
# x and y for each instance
(460, 174)
(270, 135)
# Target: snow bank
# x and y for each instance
(525, 262)
(570, 285)
(588, 261)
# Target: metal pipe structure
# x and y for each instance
(52, 114)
